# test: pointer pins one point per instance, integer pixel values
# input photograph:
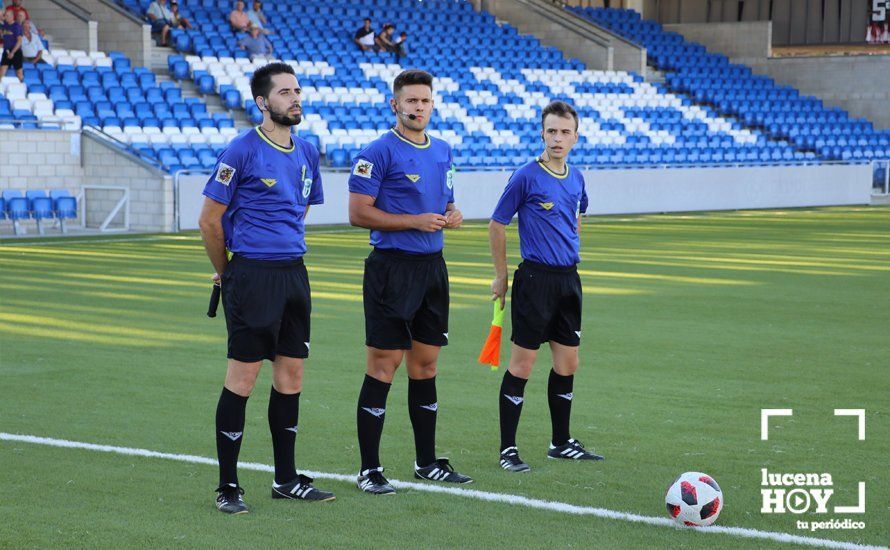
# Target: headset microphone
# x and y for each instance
(410, 116)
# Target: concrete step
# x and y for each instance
(190, 89)
(654, 76)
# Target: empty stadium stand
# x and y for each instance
(781, 112)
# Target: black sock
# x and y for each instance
(229, 431)
(422, 407)
(369, 417)
(284, 415)
(559, 396)
(512, 392)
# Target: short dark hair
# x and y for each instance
(368, 19)
(261, 81)
(410, 77)
(559, 108)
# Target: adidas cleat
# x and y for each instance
(440, 470)
(372, 481)
(511, 462)
(572, 450)
(229, 500)
(300, 489)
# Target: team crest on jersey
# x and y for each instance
(449, 178)
(225, 173)
(546, 205)
(269, 181)
(307, 183)
(363, 169)
(413, 177)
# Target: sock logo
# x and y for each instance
(374, 411)
(292, 429)
(234, 436)
(566, 396)
(515, 399)
(431, 407)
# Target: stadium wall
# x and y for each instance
(67, 23)
(52, 159)
(120, 31)
(750, 39)
(625, 191)
(576, 37)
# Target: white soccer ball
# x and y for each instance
(694, 499)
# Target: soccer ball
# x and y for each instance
(694, 499)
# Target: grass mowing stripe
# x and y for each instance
(515, 500)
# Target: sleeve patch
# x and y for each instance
(363, 169)
(225, 173)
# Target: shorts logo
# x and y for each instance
(225, 173)
(546, 205)
(363, 169)
(413, 177)
(307, 184)
(269, 181)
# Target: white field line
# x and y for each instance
(503, 498)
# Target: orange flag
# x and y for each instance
(491, 350)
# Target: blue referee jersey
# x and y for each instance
(406, 178)
(267, 189)
(548, 205)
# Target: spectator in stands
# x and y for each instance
(256, 45)
(32, 45)
(17, 8)
(238, 18)
(258, 18)
(364, 36)
(178, 21)
(21, 15)
(12, 46)
(401, 46)
(160, 17)
(384, 39)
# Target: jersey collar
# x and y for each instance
(275, 145)
(562, 176)
(409, 142)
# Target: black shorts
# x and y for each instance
(406, 298)
(545, 305)
(17, 59)
(267, 305)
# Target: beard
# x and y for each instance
(284, 119)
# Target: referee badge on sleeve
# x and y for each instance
(449, 178)
(363, 169)
(225, 173)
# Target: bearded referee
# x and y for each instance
(255, 206)
(549, 197)
(401, 189)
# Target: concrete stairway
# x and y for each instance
(190, 89)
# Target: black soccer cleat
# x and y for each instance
(440, 470)
(511, 462)
(229, 499)
(300, 488)
(372, 481)
(572, 450)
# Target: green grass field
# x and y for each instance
(692, 324)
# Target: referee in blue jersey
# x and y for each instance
(255, 206)
(549, 197)
(401, 189)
